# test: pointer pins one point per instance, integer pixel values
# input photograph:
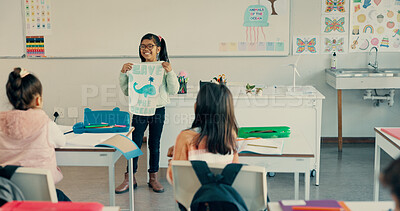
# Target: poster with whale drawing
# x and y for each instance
(143, 87)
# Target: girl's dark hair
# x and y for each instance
(391, 177)
(22, 91)
(163, 55)
(215, 116)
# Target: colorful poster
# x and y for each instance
(374, 23)
(330, 44)
(143, 88)
(305, 45)
(263, 27)
(37, 17)
(334, 7)
(334, 24)
(35, 46)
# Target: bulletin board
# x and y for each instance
(92, 28)
(11, 25)
(374, 23)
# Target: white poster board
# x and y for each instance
(143, 88)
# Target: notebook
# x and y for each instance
(270, 146)
(395, 132)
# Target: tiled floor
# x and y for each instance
(346, 176)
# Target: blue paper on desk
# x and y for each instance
(124, 144)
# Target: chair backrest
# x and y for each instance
(250, 183)
(36, 184)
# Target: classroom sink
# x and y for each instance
(363, 78)
(360, 73)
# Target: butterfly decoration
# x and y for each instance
(309, 45)
(334, 44)
(335, 5)
(334, 25)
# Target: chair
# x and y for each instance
(250, 183)
(36, 184)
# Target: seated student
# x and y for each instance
(391, 177)
(212, 137)
(27, 135)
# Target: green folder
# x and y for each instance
(264, 132)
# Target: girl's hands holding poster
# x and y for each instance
(167, 66)
(126, 67)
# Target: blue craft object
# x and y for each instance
(106, 117)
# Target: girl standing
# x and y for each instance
(152, 48)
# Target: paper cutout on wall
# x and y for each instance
(396, 42)
(255, 18)
(38, 17)
(334, 24)
(334, 6)
(305, 45)
(375, 41)
(375, 24)
(144, 82)
(35, 46)
(364, 45)
(354, 44)
(334, 44)
(385, 42)
(366, 4)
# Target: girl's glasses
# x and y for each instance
(149, 46)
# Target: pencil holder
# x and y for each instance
(182, 88)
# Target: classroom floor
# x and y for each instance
(346, 176)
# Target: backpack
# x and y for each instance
(8, 190)
(216, 191)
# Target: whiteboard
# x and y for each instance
(90, 28)
(11, 25)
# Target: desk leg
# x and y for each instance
(111, 183)
(340, 137)
(131, 191)
(296, 185)
(377, 169)
(307, 185)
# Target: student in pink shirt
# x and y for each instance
(27, 135)
(212, 137)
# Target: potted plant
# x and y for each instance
(249, 89)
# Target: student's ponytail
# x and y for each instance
(21, 88)
(163, 56)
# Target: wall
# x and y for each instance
(74, 82)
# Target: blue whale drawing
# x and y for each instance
(145, 90)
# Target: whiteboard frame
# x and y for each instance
(211, 55)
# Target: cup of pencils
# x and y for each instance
(182, 79)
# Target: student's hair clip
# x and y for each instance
(23, 72)
(160, 38)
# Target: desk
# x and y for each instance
(79, 151)
(391, 146)
(353, 206)
(296, 157)
(301, 111)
